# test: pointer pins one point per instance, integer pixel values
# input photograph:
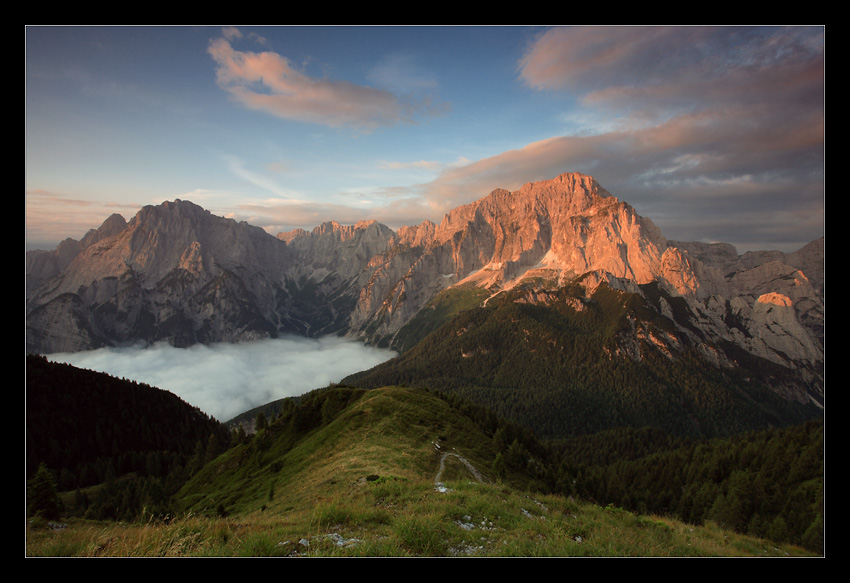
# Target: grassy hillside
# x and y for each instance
(399, 518)
(388, 472)
(336, 439)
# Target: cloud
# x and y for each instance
(51, 217)
(415, 165)
(676, 65)
(225, 380)
(689, 167)
(695, 175)
(279, 216)
(761, 77)
(238, 167)
(402, 75)
(714, 122)
(268, 82)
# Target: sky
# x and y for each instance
(714, 133)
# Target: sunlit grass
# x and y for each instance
(397, 517)
(365, 484)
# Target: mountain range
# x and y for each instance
(177, 273)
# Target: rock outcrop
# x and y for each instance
(777, 297)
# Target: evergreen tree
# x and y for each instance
(260, 422)
(214, 448)
(499, 468)
(813, 537)
(42, 497)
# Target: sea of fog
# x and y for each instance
(224, 380)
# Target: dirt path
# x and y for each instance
(478, 475)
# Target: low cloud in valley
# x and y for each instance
(224, 380)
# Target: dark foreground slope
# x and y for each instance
(88, 428)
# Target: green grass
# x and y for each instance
(403, 518)
(363, 482)
(389, 433)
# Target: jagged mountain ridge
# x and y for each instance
(177, 273)
(567, 226)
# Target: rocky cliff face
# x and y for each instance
(557, 229)
(176, 273)
(766, 288)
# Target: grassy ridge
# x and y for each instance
(353, 472)
(314, 452)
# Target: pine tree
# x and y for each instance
(499, 468)
(213, 448)
(42, 497)
(260, 422)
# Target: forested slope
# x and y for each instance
(88, 428)
(566, 372)
(768, 484)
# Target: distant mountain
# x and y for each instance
(177, 273)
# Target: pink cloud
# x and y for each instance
(714, 105)
(563, 57)
(654, 69)
(51, 217)
(702, 148)
(268, 82)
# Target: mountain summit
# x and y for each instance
(177, 273)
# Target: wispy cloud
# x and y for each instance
(268, 82)
(263, 181)
(414, 165)
(401, 74)
(48, 213)
(712, 111)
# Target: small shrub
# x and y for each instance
(422, 536)
(332, 513)
(261, 545)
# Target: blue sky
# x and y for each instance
(716, 134)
